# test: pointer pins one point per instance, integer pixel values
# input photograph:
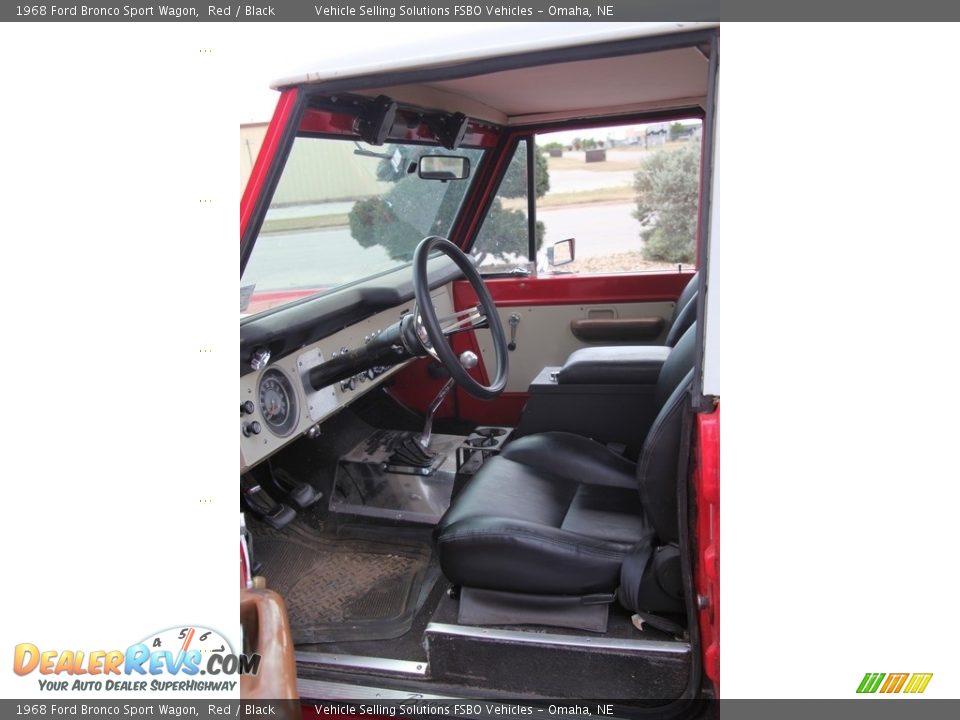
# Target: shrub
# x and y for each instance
(667, 190)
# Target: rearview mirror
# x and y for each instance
(562, 252)
(443, 167)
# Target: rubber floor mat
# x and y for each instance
(340, 589)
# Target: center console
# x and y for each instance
(605, 393)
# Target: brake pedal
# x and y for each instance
(261, 503)
(300, 494)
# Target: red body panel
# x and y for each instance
(271, 142)
(265, 300)
(706, 482)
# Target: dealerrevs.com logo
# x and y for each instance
(910, 683)
(171, 660)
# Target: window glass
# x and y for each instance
(502, 244)
(627, 194)
(344, 211)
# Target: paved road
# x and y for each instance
(599, 229)
(579, 180)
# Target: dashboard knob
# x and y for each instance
(371, 373)
(251, 428)
(348, 384)
(468, 359)
(259, 358)
(247, 408)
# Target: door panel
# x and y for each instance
(544, 335)
(547, 305)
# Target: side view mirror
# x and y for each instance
(443, 167)
(562, 252)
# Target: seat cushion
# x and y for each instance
(530, 522)
(629, 365)
(575, 457)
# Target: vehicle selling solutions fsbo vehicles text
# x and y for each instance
(462, 11)
(365, 11)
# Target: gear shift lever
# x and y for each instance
(469, 360)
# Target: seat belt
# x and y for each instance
(631, 573)
(655, 621)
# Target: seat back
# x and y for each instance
(684, 312)
(659, 455)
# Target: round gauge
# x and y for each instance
(184, 639)
(278, 402)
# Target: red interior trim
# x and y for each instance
(330, 122)
(325, 122)
(268, 150)
(415, 387)
(571, 289)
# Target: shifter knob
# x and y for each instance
(468, 359)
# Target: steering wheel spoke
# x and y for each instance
(434, 332)
(474, 319)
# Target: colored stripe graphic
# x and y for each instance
(870, 682)
(894, 682)
(918, 682)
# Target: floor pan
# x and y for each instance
(344, 588)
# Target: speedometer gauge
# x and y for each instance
(278, 402)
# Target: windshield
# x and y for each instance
(344, 211)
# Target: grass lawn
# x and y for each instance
(561, 164)
(623, 193)
(309, 222)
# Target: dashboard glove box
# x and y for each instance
(615, 365)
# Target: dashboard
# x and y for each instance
(278, 403)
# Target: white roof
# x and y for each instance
(667, 78)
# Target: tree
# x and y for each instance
(504, 232)
(676, 130)
(514, 182)
(407, 213)
(667, 191)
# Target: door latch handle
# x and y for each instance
(514, 322)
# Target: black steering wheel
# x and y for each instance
(433, 331)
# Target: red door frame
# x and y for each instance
(706, 484)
